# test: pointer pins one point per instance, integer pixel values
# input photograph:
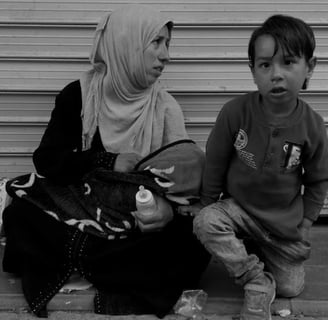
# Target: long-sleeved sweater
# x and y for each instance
(277, 172)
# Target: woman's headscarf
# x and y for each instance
(115, 94)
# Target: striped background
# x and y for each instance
(45, 44)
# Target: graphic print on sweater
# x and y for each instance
(293, 153)
(241, 143)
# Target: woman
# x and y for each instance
(114, 116)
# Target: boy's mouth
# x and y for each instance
(278, 90)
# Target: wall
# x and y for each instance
(45, 44)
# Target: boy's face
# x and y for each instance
(279, 77)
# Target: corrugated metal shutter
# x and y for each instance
(45, 44)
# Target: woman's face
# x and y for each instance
(156, 55)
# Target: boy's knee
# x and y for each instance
(209, 221)
(203, 222)
(289, 290)
(290, 282)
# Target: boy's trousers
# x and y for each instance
(224, 228)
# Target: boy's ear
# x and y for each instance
(311, 65)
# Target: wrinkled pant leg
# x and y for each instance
(220, 227)
(285, 260)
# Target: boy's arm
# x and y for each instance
(219, 149)
(315, 178)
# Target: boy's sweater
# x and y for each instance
(263, 165)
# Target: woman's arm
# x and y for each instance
(59, 156)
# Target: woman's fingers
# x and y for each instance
(191, 210)
(126, 162)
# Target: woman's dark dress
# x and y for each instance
(144, 273)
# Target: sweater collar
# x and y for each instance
(264, 118)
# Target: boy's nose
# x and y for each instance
(276, 73)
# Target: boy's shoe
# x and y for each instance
(258, 299)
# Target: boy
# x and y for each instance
(264, 147)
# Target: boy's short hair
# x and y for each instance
(293, 35)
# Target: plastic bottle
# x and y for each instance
(145, 202)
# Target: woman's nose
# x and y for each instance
(164, 54)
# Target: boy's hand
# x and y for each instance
(305, 229)
(190, 210)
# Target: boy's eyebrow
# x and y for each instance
(264, 58)
(285, 56)
(290, 55)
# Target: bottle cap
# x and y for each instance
(143, 195)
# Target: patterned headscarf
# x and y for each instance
(116, 97)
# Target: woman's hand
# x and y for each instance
(157, 221)
(125, 162)
(190, 210)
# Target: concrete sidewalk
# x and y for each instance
(62, 315)
(224, 297)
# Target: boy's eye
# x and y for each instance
(289, 61)
(264, 65)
